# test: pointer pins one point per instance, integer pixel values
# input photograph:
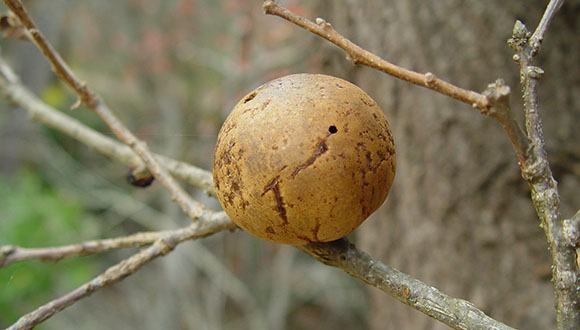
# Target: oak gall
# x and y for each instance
(303, 158)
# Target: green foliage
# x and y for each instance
(34, 215)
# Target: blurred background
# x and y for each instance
(458, 217)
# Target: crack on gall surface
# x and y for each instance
(275, 188)
(320, 149)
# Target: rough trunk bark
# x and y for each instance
(459, 216)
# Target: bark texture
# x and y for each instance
(459, 216)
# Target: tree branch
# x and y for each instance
(162, 245)
(498, 95)
(536, 170)
(192, 208)
(454, 312)
(10, 254)
(41, 112)
(360, 56)
(538, 36)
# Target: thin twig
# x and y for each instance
(192, 208)
(454, 312)
(206, 225)
(549, 13)
(536, 170)
(41, 112)
(10, 254)
(360, 56)
(498, 95)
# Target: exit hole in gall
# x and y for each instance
(332, 129)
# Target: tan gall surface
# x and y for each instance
(304, 158)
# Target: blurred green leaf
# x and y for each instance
(34, 215)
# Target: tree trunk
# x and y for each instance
(459, 216)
